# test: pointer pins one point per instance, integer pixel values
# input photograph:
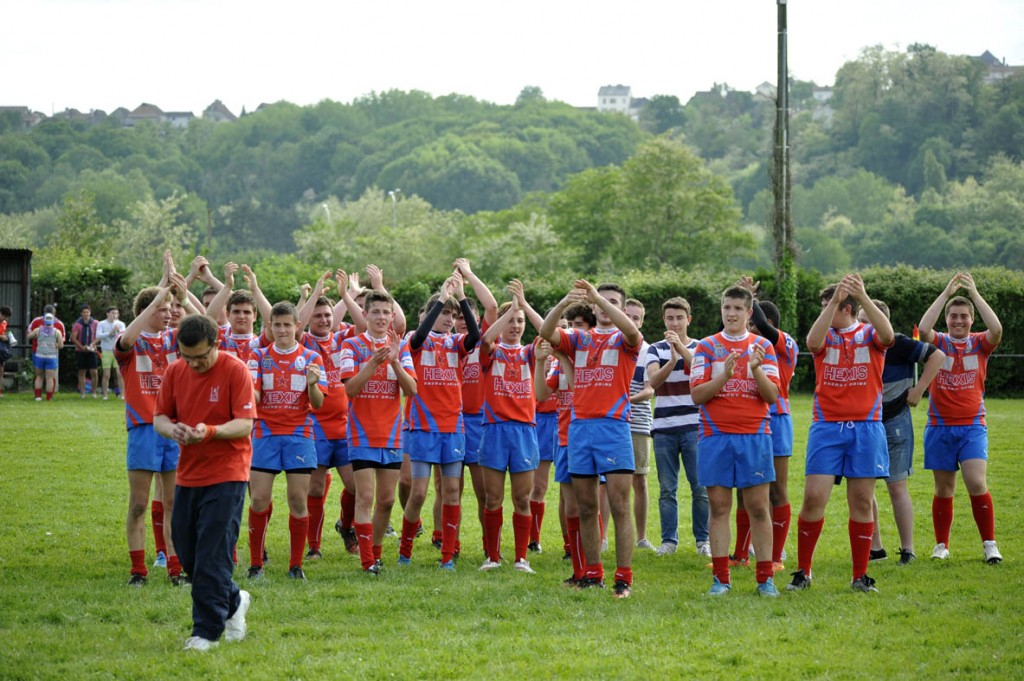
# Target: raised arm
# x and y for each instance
(480, 290)
(347, 303)
(623, 323)
(308, 305)
(883, 328)
(376, 275)
(494, 332)
(141, 321)
(515, 287)
(994, 332)
(549, 327)
(220, 301)
(926, 327)
(819, 329)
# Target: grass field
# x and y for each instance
(65, 611)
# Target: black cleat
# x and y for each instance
(180, 579)
(864, 583)
(297, 573)
(906, 557)
(255, 573)
(314, 554)
(534, 546)
(878, 555)
(137, 580)
(622, 589)
(800, 582)
(590, 583)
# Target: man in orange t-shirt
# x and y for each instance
(206, 404)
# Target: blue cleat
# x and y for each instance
(449, 566)
(768, 589)
(402, 560)
(719, 589)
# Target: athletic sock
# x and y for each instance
(49, 395)
(173, 566)
(764, 571)
(537, 511)
(942, 518)
(860, 546)
(720, 568)
(624, 574)
(594, 571)
(521, 524)
(348, 509)
(781, 516)
(364, 533)
(409, 528)
(39, 393)
(575, 546)
(493, 521)
(257, 536)
(742, 549)
(156, 514)
(451, 516)
(437, 535)
(298, 528)
(138, 559)
(807, 538)
(316, 520)
(984, 516)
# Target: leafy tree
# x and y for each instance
(661, 114)
(153, 227)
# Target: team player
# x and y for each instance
(206, 405)
(243, 306)
(289, 382)
(436, 437)
(375, 365)
(144, 351)
(674, 428)
(735, 377)
(956, 435)
(547, 443)
(846, 436)
(599, 439)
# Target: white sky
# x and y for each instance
(183, 54)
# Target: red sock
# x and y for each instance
(450, 518)
(378, 551)
(942, 518)
(765, 571)
(173, 566)
(316, 520)
(138, 562)
(437, 535)
(780, 530)
(348, 508)
(720, 568)
(537, 511)
(49, 395)
(257, 536)
(742, 549)
(521, 526)
(624, 574)
(409, 528)
(807, 538)
(364, 533)
(156, 514)
(493, 521)
(594, 571)
(298, 528)
(39, 393)
(984, 516)
(575, 546)
(860, 546)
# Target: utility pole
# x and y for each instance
(782, 188)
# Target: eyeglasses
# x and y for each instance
(196, 358)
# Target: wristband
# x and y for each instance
(211, 431)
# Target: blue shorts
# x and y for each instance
(547, 435)
(735, 460)
(44, 363)
(899, 435)
(598, 446)
(562, 476)
(474, 425)
(511, 446)
(150, 451)
(851, 449)
(782, 435)
(946, 446)
(276, 453)
(440, 448)
(422, 469)
(385, 456)
(332, 453)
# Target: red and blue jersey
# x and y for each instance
(551, 403)
(786, 351)
(279, 376)
(239, 345)
(738, 407)
(958, 392)
(374, 415)
(508, 384)
(604, 369)
(473, 379)
(437, 405)
(332, 416)
(558, 381)
(142, 368)
(848, 375)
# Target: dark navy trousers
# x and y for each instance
(204, 527)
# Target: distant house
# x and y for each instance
(219, 113)
(619, 99)
(997, 69)
(765, 91)
(178, 119)
(143, 112)
(29, 119)
(75, 116)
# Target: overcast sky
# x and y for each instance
(183, 54)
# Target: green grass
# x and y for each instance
(65, 611)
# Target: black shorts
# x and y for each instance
(87, 360)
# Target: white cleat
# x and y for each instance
(992, 555)
(199, 643)
(234, 628)
(490, 565)
(523, 565)
(940, 552)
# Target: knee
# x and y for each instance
(137, 508)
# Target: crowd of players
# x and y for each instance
(387, 408)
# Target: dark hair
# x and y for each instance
(6, 311)
(284, 309)
(110, 309)
(739, 293)
(959, 301)
(613, 287)
(451, 304)
(323, 300)
(771, 312)
(85, 306)
(51, 309)
(581, 310)
(829, 291)
(208, 291)
(377, 296)
(197, 328)
(241, 297)
(676, 303)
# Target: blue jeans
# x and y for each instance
(669, 450)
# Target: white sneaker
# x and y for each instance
(992, 555)
(490, 565)
(199, 643)
(704, 548)
(665, 549)
(645, 544)
(523, 565)
(940, 552)
(234, 628)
